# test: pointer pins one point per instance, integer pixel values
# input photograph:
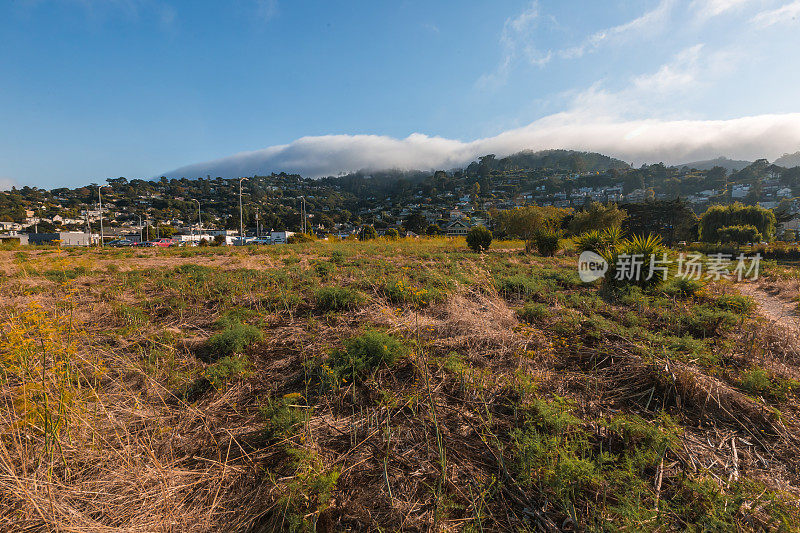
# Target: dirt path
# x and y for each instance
(780, 311)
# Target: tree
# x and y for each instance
(433, 229)
(672, 220)
(525, 222)
(416, 222)
(479, 238)
(719, 216)
(367, 233)
(597, 216)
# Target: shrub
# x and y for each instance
(323, 269)
(299, 238)
(363, 354)
(759, 381)
(735, 302)
(533, 312)
(281, 415)
(337, 257)
(546, 242)
(219, 240)
(433, 229)
(391, 234)
(400, 292)
(742, 234)
(479, 238)
(225, 370)
(337, 298)
(682, 287)
(233, 339)
(367, 233)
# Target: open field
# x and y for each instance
(394, 385)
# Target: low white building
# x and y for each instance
(280, 237)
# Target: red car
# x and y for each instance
(165, 243)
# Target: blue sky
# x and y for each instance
(91, 89)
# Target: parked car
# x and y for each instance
(260, 240)
(147, 244)
(164, 243)
(120, 243)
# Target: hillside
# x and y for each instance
(395, 385)
(788, 160)
(731, 165)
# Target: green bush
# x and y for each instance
(735, 302)
(337, 298)
(760, 381)
(323, 269)
(365, 353)
(533, 312)
(433, 229)
(741, 234)
(682, 287)
(282, 415)
(479, 238)
(232, 340)
(299, 238)
(391, 234)
(226, 369)
(367, 233)
(546, 242)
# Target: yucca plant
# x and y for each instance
(611, 236)
(599, 241)
(629, 262)
(591, 240)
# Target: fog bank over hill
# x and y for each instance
(731, 165)
(635, 141)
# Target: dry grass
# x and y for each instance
(100, 434)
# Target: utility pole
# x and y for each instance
(241, 215)
(141, 229)
(258, 232)
(199, 220)
(100, 200)
(303, 214)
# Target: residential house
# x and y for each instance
(457, 228)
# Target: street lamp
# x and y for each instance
(241, 216)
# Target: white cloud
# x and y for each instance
(787, 13)
(516, 40)
(636, 141)
(7, 183)
(706, 9)
(597, 119)
(645, 24)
